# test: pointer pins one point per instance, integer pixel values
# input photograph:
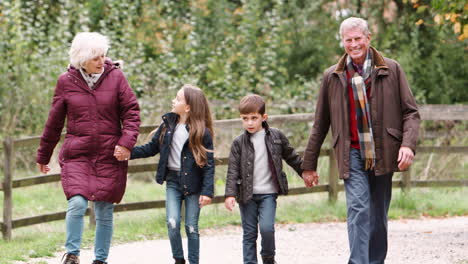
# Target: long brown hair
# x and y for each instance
(199, 118)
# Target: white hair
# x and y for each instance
(354, 23)
(86, 46)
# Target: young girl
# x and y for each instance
(186, 163)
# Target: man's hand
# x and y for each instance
(204, 200)
(44, 168)
(121, 153)
(405, 158)
(310, 178)
(229, 203)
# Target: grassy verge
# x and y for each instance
(46, 239)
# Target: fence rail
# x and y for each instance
(428, 112)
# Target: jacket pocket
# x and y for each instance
(239, 190)
(397, 134)
(66, 148)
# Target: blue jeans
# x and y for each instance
(259, 211)
(368, 200)
(77, 206)
(174, 198)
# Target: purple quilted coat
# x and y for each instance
(97, 121)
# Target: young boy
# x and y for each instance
(255, 177)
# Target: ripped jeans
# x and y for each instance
(174, 197)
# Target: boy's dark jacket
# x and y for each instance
(239, 181)
(194, 180)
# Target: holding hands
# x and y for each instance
(310, 178)
(230, 202)
(121, 153)
(204, 200)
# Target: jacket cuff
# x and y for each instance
(124, 142)
(209, 194)
(42, 160)
(309, 166)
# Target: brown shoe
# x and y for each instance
(179, 261)
(99, 262)
(70, 259)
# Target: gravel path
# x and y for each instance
(428, 241)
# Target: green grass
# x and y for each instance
(46, 239)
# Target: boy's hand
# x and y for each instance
(229, 203)
(204, 200)
(310, 178)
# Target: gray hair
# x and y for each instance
(86, 46)
(354, 23)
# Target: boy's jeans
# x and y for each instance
(259, 211)
(368, 200)
(174, 197)
(77, 206)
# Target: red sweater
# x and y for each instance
(353, 131)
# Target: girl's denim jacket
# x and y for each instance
(193, 179)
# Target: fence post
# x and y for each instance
(7, 189)
(92, 215)
(406, 180)
(332, 177)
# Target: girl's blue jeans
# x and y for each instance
(174, 197)
(77, 206)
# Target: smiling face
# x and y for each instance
(356, 44)
(253, 122)
(95, 65)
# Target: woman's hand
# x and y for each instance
(121, 153)
(204, 200)
(44, 168)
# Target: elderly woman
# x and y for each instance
(102, 114)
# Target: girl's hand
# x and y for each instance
(229, 203)
(204, 200)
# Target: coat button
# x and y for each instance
(185, 186)
(185, 157)
(185, 173)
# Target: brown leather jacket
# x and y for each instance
(394, 115)
(239, 182)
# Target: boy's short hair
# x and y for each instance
(252, 103)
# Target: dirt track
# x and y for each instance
(427, 241)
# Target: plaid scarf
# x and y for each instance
(363, 115)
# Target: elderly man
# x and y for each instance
(374, 119)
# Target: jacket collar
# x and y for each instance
(378, 62)
(108, 67)
(171, 119)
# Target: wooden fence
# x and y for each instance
(428, 112)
